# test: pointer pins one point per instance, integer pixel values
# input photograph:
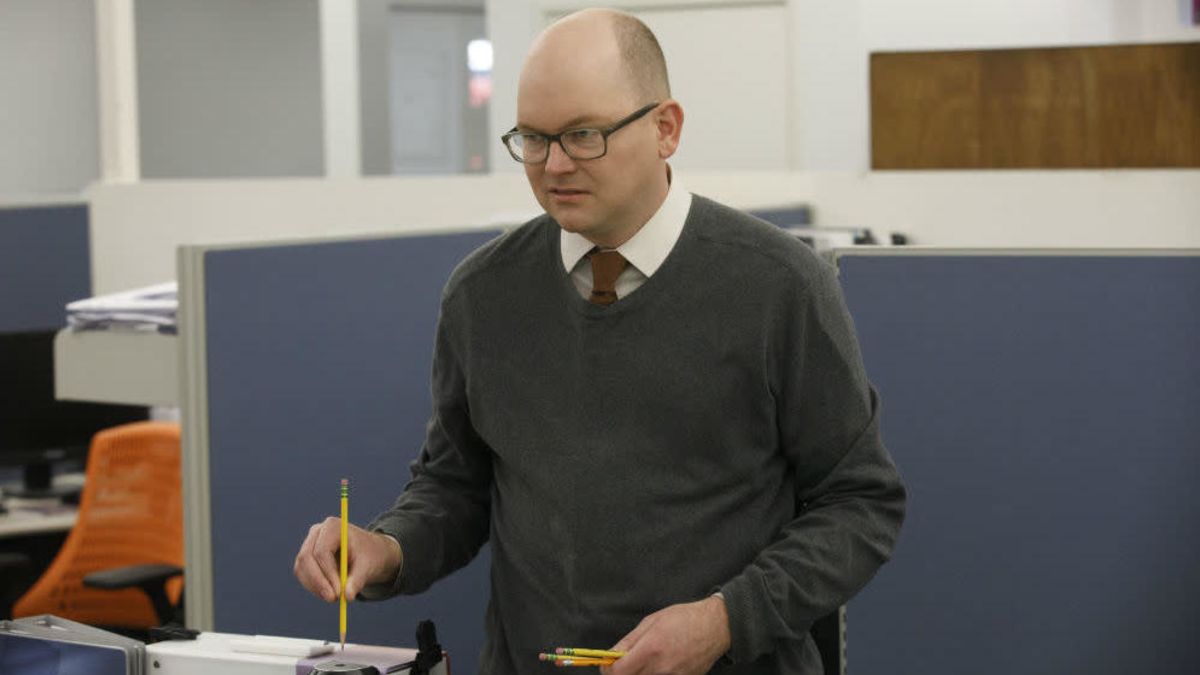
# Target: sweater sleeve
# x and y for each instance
(850, 501)
(441, 518)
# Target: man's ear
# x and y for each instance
(669, 121)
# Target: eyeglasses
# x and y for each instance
(532, 148)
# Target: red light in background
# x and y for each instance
(479, 90)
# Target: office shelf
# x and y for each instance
(117, 367)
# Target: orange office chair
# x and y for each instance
(130, 514)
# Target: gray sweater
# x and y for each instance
(713, 430)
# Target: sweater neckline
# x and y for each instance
(643, 294)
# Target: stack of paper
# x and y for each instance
(152, 308)
(270, 655)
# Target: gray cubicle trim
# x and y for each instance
(919, 251)
(1041, 406)
(223, 326)
(193, 406)
(45, 263)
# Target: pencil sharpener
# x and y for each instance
(343, 668)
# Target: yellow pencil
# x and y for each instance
(577, 661)
(593, 653)
(343, 562)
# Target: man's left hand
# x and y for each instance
(684, 639)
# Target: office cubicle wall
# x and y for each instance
(1040, 406)
(308, 363)
(1044, 409)
(44, 264)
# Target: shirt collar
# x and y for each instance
(648, 248)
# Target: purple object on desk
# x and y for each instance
(380, 657)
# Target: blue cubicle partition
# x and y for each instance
(44, 264)
(318, 362)
(1042, 409)
(795, 215)
(1045, 413)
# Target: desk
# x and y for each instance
(33, 533)
(35, 538)
(32, 517)
(21, 522)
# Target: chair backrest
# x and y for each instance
(130, 513)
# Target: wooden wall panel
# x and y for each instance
(1072, 107)
(918, 101)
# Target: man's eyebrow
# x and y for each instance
(574, 123)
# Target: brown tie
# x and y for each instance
(606, 267)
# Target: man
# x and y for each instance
(651, 405)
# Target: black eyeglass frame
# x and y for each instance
(557, 138)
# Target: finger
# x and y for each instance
(634, 659)
(633, 662)
(360, 562)
(306, 569)
(326, 547)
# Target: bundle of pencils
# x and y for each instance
(577, 656)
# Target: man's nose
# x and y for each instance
(558, 161)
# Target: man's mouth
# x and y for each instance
(565, 196)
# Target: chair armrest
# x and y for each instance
(151, 579)
(133, 576)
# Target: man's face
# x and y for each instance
(604, 199)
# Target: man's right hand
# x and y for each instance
(374, 559)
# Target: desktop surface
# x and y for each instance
(31, 533)
(20, 516)
(20, 522)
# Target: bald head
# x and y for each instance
(597, 71)
(641, 57)
(618, 41)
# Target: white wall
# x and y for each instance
(951, 24)
(1092, 209)
(828, 121)
(729, 67)
(49, 133)
(747, 125)
(228, 88)
(511, 26)
(136, 228)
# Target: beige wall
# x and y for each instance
(137, 227)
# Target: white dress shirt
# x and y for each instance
(646, 250)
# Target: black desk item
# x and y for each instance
(342, 668)
(429, 654)
(37, 430)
